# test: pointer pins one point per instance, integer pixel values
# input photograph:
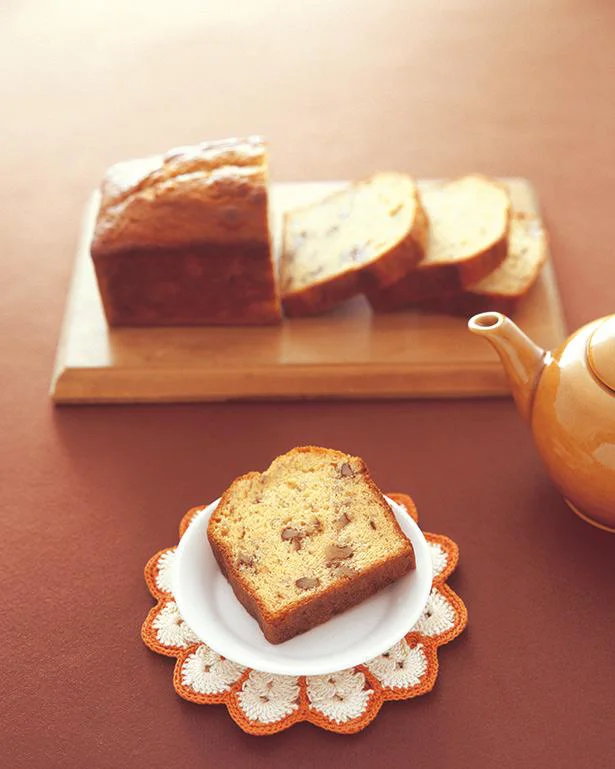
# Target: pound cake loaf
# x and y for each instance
(468, 238)
(506, 286)
(369, 234)
(306, 539)
(183, 238)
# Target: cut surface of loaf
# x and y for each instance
(370, 233)
(306, 539)
(468, 238)
(183, 238)
(506, 286)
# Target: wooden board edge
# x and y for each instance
(75, 386)
(83, 243)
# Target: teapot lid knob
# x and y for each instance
(601, 352)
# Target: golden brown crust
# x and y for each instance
(214, 192)
(183, 238)
(390, 267)
(309, 611)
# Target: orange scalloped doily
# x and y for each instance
(344, 702)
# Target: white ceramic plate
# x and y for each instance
(207, 603)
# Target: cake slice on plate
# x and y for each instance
(306, 539)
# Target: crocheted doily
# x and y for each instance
(346, 701)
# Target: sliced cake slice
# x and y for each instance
(506, 286)
(306, 539)
(468, 238)
(368, 234)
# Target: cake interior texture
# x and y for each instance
(527, 249)
(312, 522)
(466, 216)
(347, 230)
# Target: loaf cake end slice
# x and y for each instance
(509, 283)
(468, 238)
(306, 539)
(369, 233)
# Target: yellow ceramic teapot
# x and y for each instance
(568, 398)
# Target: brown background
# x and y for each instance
(341, 88)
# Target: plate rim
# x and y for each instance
(317, 666)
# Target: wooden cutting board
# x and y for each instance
(349, 353)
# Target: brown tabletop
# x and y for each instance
(341, 88)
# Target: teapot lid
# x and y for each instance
(601, 352)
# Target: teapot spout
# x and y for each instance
(523, 360)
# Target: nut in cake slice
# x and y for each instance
(306, 539)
